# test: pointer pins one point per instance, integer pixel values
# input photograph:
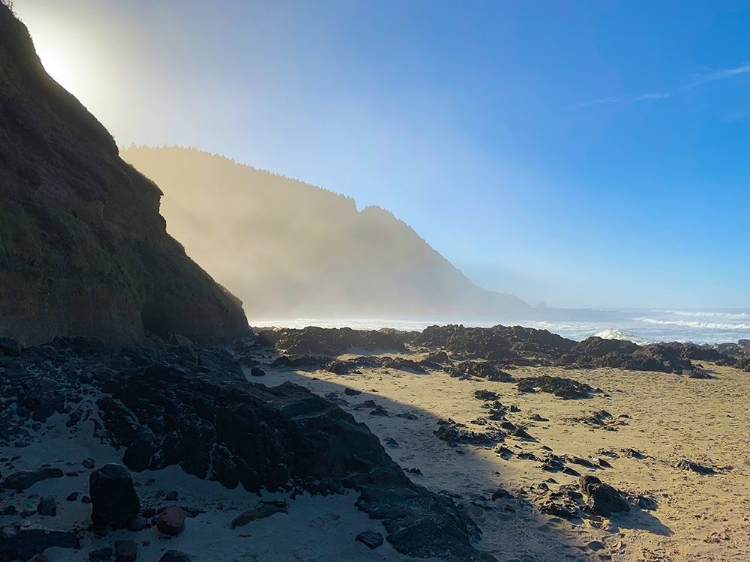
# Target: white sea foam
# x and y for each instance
(707, 314)
(696, 324)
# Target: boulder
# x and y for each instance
(257, 372)
(371, 539)
(602, 499)
(47, 506)
(171, 521)
(113, 497)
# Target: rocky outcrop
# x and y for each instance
(83, 248)
(518, 346)
(508, 345)
(567, 389)
(329, 341)
(235, 432)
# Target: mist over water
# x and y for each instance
(637, 325)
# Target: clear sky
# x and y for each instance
(583, 153)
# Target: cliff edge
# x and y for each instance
(83, 248)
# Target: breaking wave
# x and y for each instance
(620, 335)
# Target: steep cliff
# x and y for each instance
(291, 249)
(83, 248)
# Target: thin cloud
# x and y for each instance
(721, 74)
(629, 99)
(713, 76)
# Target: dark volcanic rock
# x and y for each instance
(47, 506)
(260, 511)
(300, 361)
(422, 524)
(329, 341)
(485, 395)
(438, 358)
(234, 431)
(513, 345)
(566, 510)
(660, 357)
(568, 389)
(454, 432)
(600, 347)
(25, 479)
(84, 248)
(693, 466)
(22, 544)
(489, 370)
(370, 539)
(113, 497)
(257, 372)
(171, 521)
(347, 366)
(603, 499)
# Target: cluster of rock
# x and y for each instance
(518, 346)
(595, 497)
(191, 406)
(115, 505)
(486, 352)
(568, 389)
(329, 341)
(489, 370)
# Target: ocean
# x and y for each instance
(637, 325)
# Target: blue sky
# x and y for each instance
(582, 153)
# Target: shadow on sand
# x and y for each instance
(513, 528)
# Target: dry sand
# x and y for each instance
(671, 417)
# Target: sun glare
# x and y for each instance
(67, 51)
(61, 65)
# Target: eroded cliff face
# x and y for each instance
(83, 248)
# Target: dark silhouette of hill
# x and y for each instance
(290, 249)
(83, 248)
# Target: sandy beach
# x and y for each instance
(669, 418)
